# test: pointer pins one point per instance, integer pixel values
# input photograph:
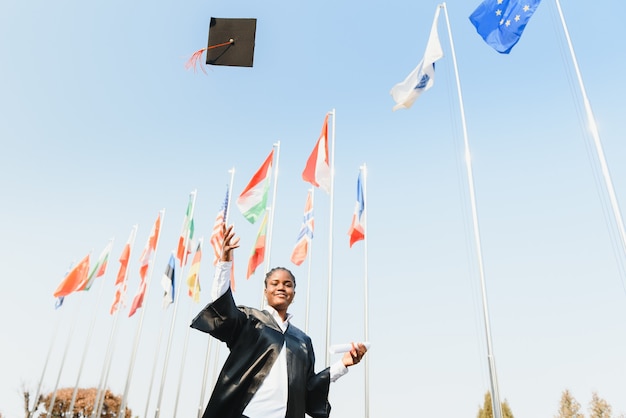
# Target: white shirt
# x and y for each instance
(270, 400)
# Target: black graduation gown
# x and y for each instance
(255, 340)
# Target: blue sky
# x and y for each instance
(102, 127)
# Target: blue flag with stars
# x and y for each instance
(501, 22)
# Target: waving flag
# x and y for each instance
(100, 267)
(357, 231)
(168, 282)
(186, 233)
(306, 232)
(253, 200)
(144, 263)
(75, 280)
(258, 252)
(217, 237)
(422, 77)
(193, 280)
(122, 275)
(501, 22)
(317, 169)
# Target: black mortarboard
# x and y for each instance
(231, 42)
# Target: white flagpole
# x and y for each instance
(113, 335)
(330, 241)
(122, 411)
(67, 345)
(154, 364)
(45, 366)
(495, 395)
(593, 127)
(365, 292)
(88, 341)
(173, 323)
(184, 355)
(308, 279)
(270, 222)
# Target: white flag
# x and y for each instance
(423, 76)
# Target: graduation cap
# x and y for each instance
(231, 42)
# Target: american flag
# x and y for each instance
(217, 237)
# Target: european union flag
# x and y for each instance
(501, 22)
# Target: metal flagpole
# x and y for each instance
(365, 290)
(593, 127)
(67, 346)
(45, 366)
(495, 395)
(270, 225)
(122, 411)
(184, 356)
(154, 364)
(113, 336)
(330, 241)
(87, 342)
(173, 323)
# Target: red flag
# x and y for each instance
(258, 252)
(317, 169)
(144, 263)
(120, 282)
(75, 280)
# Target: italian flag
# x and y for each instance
(258, 252)
(253, 200)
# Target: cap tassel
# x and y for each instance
(196, 60)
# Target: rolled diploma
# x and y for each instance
(344, 348)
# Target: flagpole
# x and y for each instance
(330, 240)
(67, 346)
(154, 364)
(122, 411)
(363, 169)
(184, 356)
(87, 342)
(45, 366)
(593, 127)
(173, 323)
(270, 226)
(495, 395)
(108, 360)
(308, 279)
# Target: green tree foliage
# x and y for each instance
(487, 410)
(598, 407)
(83, 405)
(569, 407)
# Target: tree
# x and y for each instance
(83, 405)
(598, 407)
(487, 410)
(569, 407)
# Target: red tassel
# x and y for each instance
(196, 60)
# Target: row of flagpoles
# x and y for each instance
(253, 202)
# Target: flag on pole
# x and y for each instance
(357, 231)
(186, 234)
(422, 77)
(306, 232)
(100, 267)
(253, 200)
(193, 280)
(122, 274)
(258, 252)
(144, 263)
(75, 280)
(217, 236)
(501, 22)
(317, 168)
(168, 282)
